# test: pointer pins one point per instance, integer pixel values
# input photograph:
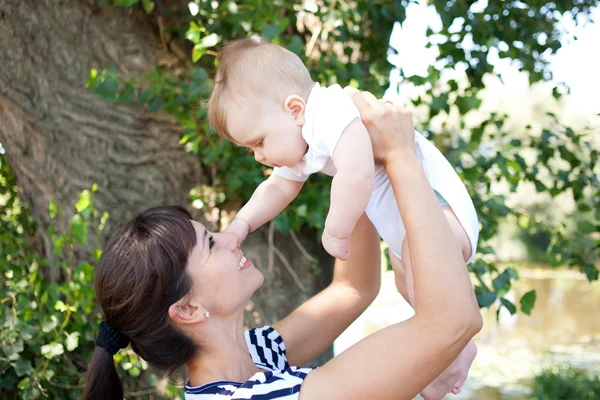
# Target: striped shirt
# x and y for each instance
(279, 381)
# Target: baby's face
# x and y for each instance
(266, 128)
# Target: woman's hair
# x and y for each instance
(141, 273)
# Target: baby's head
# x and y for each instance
(259, 100)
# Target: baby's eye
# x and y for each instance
(260, 143)
(211, 242)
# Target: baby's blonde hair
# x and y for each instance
(254, 67)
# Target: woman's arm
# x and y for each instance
(399, 361)
(312, 327)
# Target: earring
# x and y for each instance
(207, 314)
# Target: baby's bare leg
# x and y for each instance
(453, 378)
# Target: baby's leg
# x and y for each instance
(453, 378)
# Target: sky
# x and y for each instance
(577, 63)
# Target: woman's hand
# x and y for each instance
(390, 126)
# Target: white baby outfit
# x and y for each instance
(328, 112)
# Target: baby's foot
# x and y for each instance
(453, 378)
(335, 246)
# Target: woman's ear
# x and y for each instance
(185, 313)
(295, 105)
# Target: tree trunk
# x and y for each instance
(60, 138)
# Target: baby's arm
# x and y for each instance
(351, 187)
(268, 200)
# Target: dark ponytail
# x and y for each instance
(141, 273)
(102, 382)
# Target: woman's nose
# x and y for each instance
(230, 241)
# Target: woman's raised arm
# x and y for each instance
(399, 361)
(312, 327)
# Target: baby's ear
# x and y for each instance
(295, 105)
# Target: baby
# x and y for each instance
(264, 99)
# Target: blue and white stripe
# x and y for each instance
(267, 350)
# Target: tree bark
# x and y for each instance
(60, 138)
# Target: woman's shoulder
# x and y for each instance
(267, 349)
(273, 385)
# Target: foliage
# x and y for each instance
(212, 23)
(554, 158)
(348, 45)
(45, 335)
(565, 383)
(340, 42)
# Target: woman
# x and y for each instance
(178, 293)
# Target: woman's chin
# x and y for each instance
(261, 280)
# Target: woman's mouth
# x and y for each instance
(244, 263)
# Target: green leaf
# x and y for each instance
(148, 6)
(485, 298)
(439, 103)
(466, 104)
(199, 74)
(270, 32)
(17, 347)
(52, 350)
(60, 306)
(302, 210)
(509, 305)
(528, 302)
(23, 367)
(125, 3)
(555, 93)
(52, 209)
(72, 341)
(84, 204)
(200, 49)
(486, 250)
(49, 323)
(58, 243)
(296, 45)
(79, 230)
(502, 282)
(107, 88)
(585, 226)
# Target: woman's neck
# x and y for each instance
(224, 356)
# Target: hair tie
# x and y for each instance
(110, 339)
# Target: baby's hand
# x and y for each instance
(335, 246)
(240, 228)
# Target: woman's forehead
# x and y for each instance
(201, 231)
(198, 226)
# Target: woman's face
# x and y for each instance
(223, 279)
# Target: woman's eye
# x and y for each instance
(211, 242)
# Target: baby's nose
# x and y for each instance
(259, 157)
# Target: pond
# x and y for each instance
(564, 328)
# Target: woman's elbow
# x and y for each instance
(469, 323)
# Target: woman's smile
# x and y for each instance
(244, 264)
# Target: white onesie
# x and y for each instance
(328, 112)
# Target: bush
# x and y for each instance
(48, 312)
(565, 383)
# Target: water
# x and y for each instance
(564, 328)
